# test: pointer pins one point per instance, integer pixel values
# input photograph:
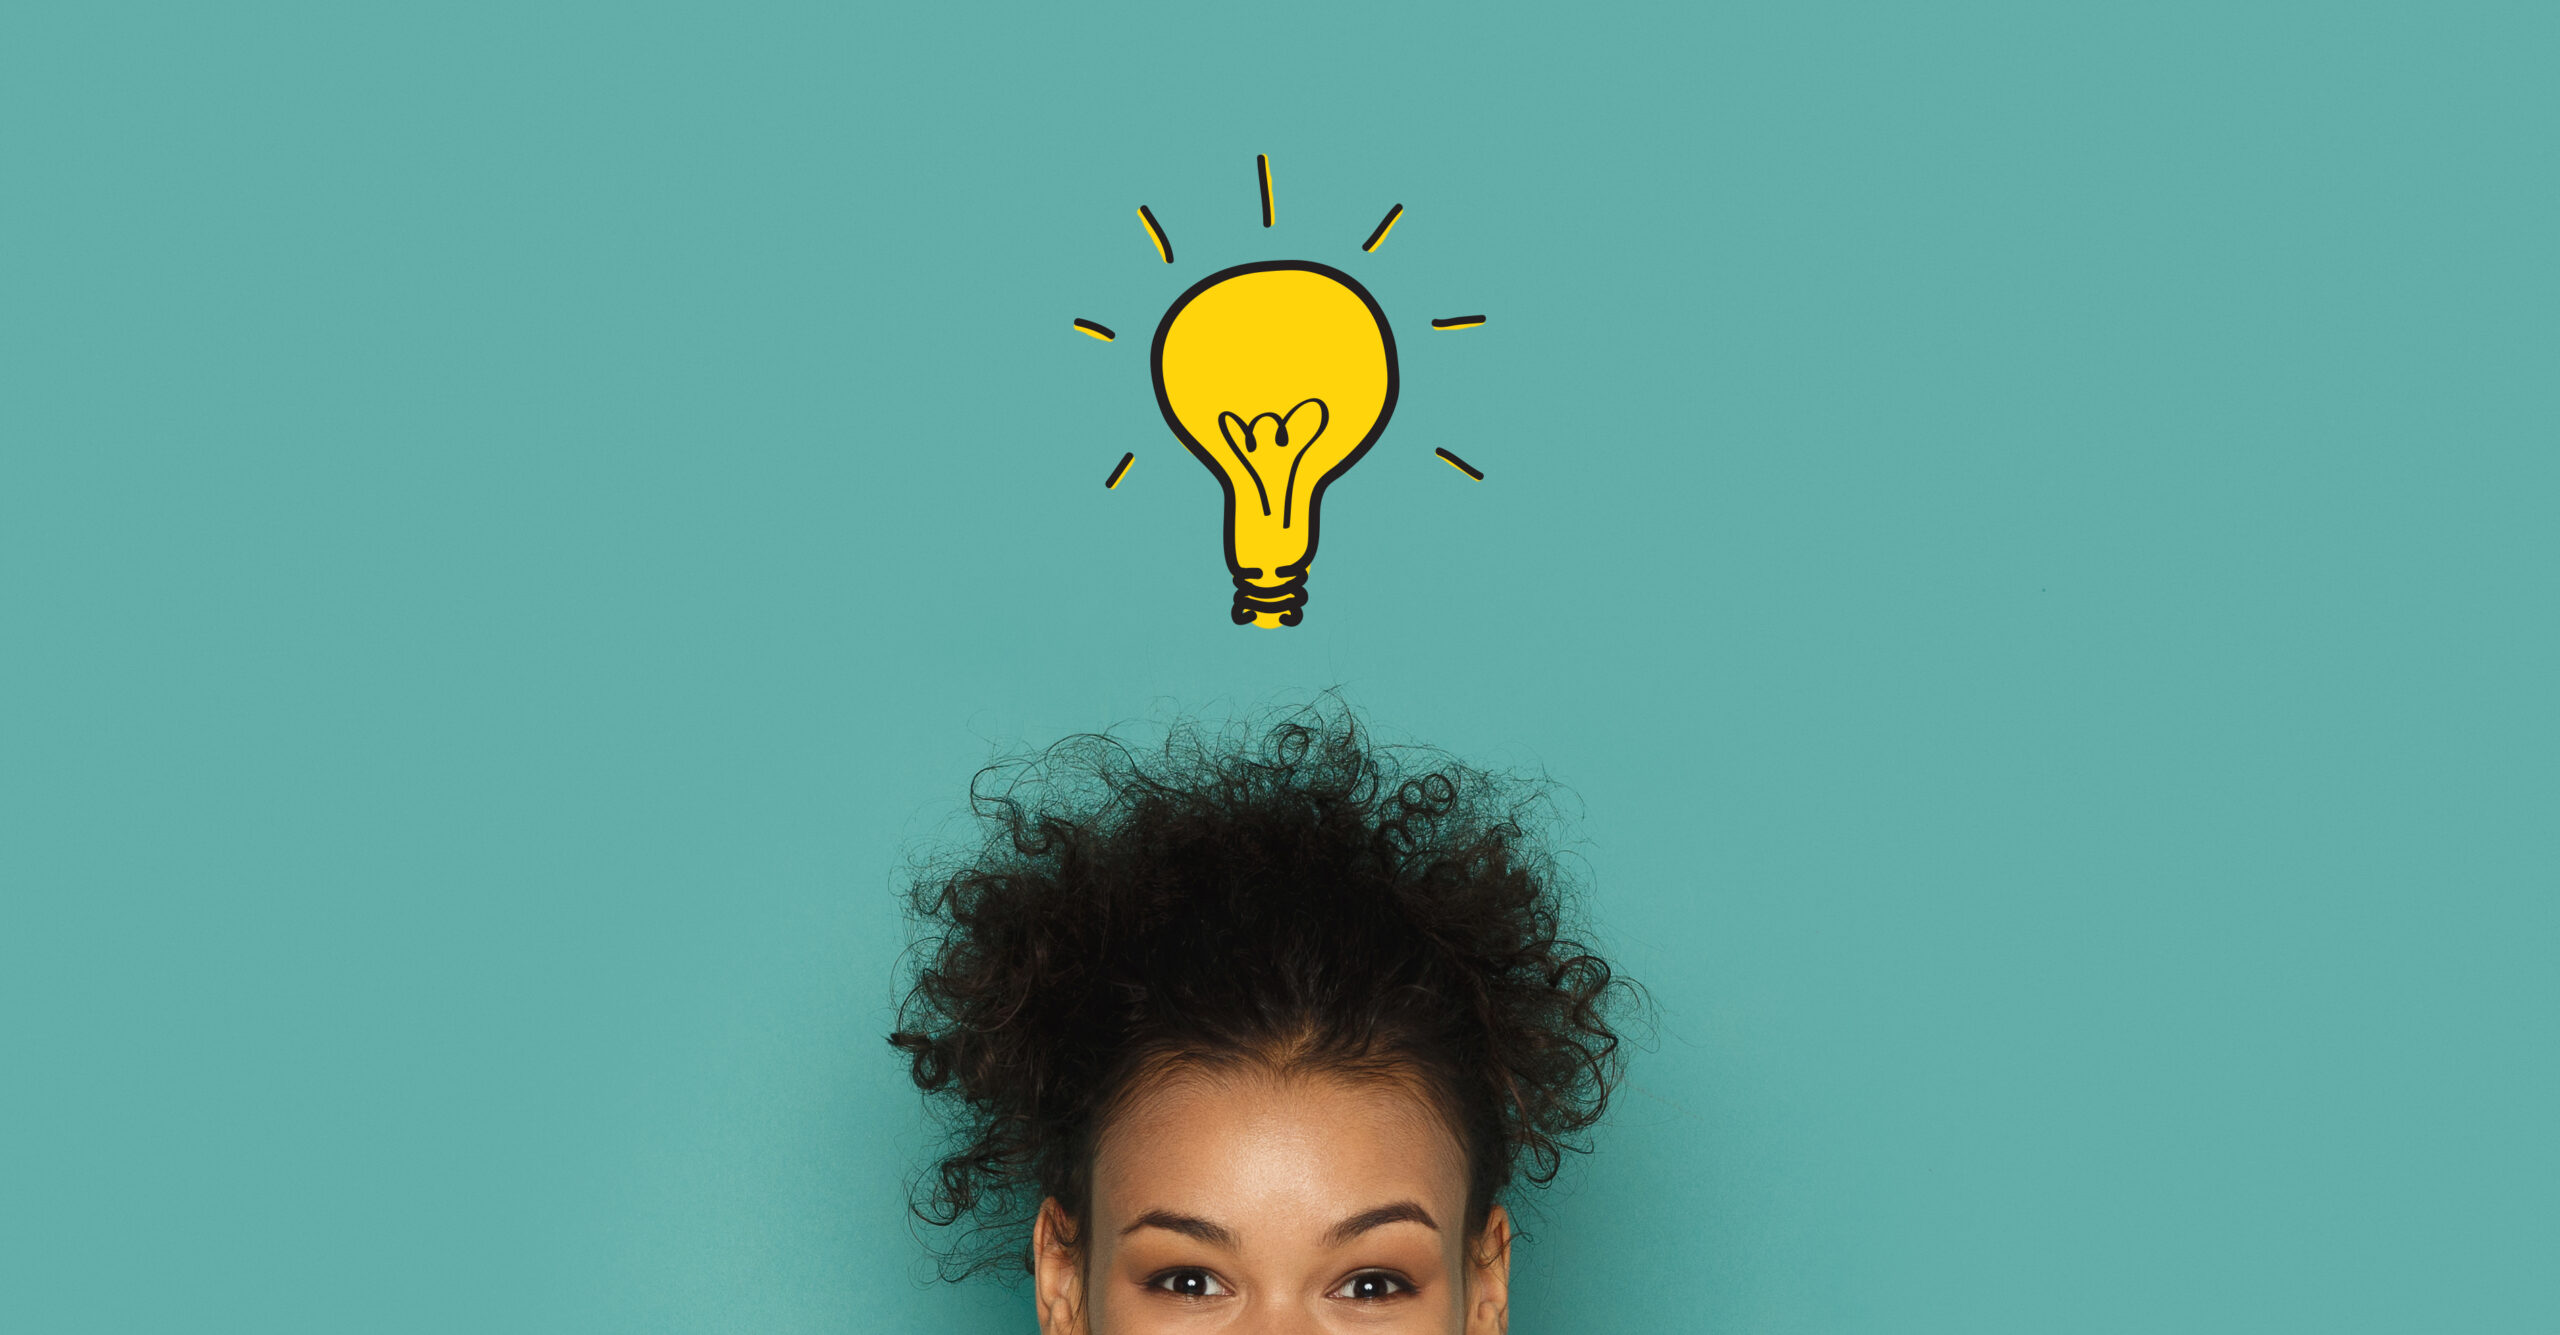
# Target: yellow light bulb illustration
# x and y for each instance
(1277, 376)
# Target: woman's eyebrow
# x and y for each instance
(1398, 1213)
(1188, 1225)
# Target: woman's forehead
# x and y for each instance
(1252, 1141)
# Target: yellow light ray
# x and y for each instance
(1155, 233)
(1385, 225)
(1460, 464)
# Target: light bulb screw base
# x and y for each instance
(1287, 602)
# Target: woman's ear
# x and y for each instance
(1489, 1277)
(1057, 1271)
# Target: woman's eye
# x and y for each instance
(1372, 1285)
(1189, 1284)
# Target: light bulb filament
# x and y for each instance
(1244, 437)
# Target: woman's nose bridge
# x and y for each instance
(1292, 1315)
(1285, 1319)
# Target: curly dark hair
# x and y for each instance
(1294, 897)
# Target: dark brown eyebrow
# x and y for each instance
(1398, 1213)
(1188, 1225)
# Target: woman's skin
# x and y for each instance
(1248, 1201)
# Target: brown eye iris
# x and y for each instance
(1372, 1287)
(1189, 1284)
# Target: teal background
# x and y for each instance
(2027, 529)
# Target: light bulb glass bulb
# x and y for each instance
(1278, 376)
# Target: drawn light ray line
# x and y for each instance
(1385, 225)
(1461, 465)
(1112, 482)
(1458, 322)
(1155, 233)
(1102, 332)
(1262, 172)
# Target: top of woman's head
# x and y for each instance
(1295, 901)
